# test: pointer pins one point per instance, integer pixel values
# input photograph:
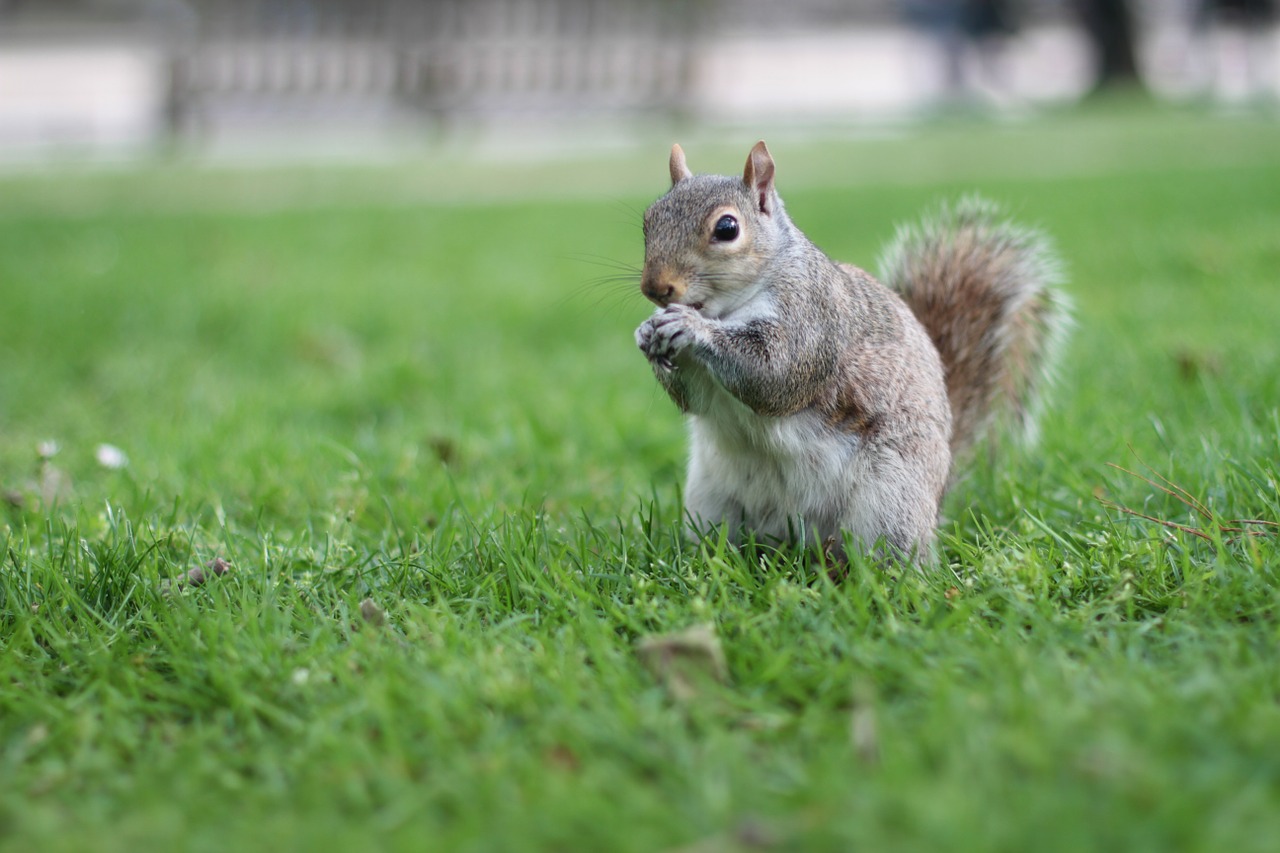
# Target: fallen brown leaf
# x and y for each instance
(685, 662)
(372, 613)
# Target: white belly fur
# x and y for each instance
(778, 476)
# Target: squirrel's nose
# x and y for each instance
(660, 287)
(658, 292)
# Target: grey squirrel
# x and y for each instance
(821, 402)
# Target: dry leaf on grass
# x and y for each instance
(685, 662)
(562, 758)
(750, 834)
(216, 567)
(372, 613)
(863, 733)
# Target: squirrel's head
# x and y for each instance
(707, 241)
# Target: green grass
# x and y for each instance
(402, 384)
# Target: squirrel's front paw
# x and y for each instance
(667, 333)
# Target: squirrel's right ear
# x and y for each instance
(758, 176)
(679, 170)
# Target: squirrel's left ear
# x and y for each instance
(758, 176)
(679, 169)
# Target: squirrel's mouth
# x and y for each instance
(696, 306)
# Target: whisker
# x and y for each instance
(608, 283)
(604, 261)
(619, 289)
(637, 215)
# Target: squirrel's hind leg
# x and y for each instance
(894, 510)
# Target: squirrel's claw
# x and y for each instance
(667, 332)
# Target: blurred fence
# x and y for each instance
(443, 58)
(94, 71)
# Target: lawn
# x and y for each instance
(414, 385)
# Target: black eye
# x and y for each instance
(726, 230)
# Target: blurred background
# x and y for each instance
(129, 78)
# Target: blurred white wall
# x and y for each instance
(879, 73)
(100, 97)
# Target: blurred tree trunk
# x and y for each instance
(1109, 26)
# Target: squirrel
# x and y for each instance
(820, 402)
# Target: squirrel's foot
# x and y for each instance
(667, 333)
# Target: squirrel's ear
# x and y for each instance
(679, 170)
(758, 175)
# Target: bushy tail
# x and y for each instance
(986, 291)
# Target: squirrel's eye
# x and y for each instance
(726, 230)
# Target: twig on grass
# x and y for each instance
(1240, 527)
